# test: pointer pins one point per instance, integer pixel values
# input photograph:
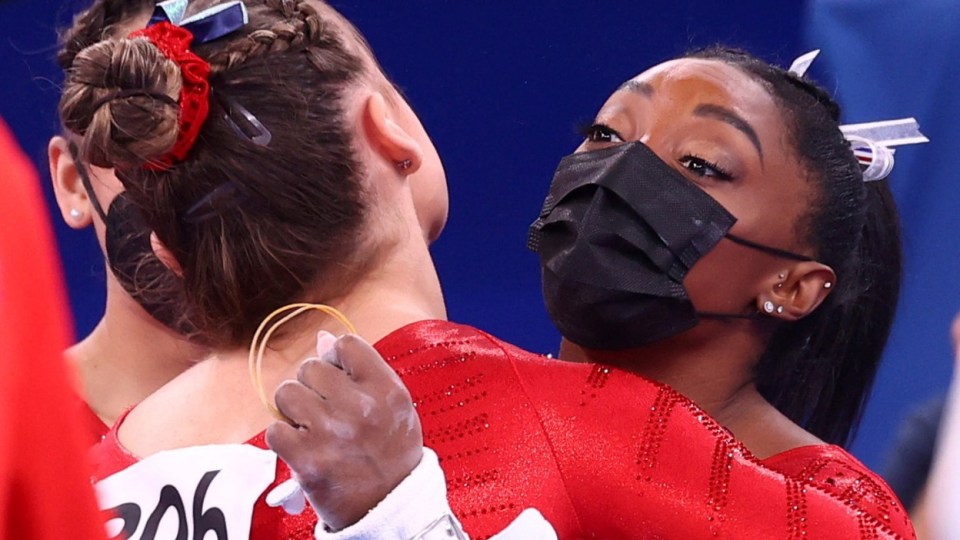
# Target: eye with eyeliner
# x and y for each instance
(600, 133)
(704, 168)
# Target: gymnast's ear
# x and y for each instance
(799, 292)
(397, 148)
(72, 198)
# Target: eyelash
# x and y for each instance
(601, 133)
(704, 165)
(593, 132)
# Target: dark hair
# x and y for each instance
(95, 24)
(818, 371)
(282, 217)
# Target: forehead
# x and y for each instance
(694, 81)
(670, 92)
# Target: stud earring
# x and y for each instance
(779, 309)
(827, 285)
(75, 214)
(783, 275)
(768, 307)
(404, 165)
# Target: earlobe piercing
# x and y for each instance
(404, 165)
(75, 214)
(768, 307)
(779, 309)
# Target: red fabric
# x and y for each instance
(44, 480)
(174, 42)
(94, 428)
(835, 471)
(600, 452)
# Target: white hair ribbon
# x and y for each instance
(800, 66)
(872, 143)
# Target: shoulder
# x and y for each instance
(835, 471)
(427, 347)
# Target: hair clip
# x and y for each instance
(872, 143)
(227, 195)
(242, 121)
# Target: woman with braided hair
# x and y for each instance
(138, 345)
(274, 163)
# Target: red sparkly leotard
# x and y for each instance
(94, 429)
(835, 471)
(600, 452)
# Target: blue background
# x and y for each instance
(502, 87)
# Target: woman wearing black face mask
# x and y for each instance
(497, 452)
(715, 233)
(137, 346)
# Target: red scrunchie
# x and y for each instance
(174, 42)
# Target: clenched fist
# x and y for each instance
(355, 434)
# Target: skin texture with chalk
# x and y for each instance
(357, 434)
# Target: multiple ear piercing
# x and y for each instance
(769, 307)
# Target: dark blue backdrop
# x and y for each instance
(500, 86)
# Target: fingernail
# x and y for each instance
(325, 342)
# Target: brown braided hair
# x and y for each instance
(293, 214)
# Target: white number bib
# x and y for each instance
(196, 493)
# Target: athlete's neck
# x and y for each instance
(215, 402)
(402, 288)
(128, 356)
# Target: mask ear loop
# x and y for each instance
(258, 345)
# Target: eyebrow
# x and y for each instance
(637, 87)
(705, 110)
(726, 115)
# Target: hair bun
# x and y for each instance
(121, 97)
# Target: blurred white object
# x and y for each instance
(943, 484)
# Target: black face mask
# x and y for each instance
(132, 260)
(618, 232)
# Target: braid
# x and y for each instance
(94, 24)
(301, 27)
(299, 201)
